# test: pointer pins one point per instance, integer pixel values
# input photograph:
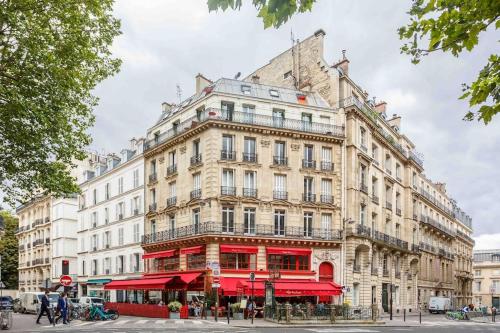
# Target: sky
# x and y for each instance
(165, 43)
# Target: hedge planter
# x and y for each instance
(175, 315)
(238, 316)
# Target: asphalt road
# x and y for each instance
(26, 323)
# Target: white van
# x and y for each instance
(439, 304)
(31, 301)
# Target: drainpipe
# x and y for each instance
(343, 210)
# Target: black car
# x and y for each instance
(6, 302)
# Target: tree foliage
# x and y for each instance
(52, 54)
(454, 26)
(9, 251)
(273, 12)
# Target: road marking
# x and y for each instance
(160, 322)
(141, 322)
(197, 322)
(121, 322)
(101, 323)
(347, 330)
(177, 321)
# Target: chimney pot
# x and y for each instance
(256, 79)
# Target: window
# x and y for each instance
(227, 219)
(136, 178)
(172, 189)
(249, 220)
(326, 226)
(374, 187)
(362, 177)
(362, 137)
(477, 286)
(398, 171)
(414, 180)
(280, 187)
(196, 148)
(135, 205)
(308, 153)
(278, 118)
(227, 109)
(107, 240)
(196, 261)
(93, 220)
(326, 159)
(288, 262)
(326, 191)
(248, 113)
(375, 153)
(136, 233)
(249, 154)
(107, 191)
(362, 214)
(95, 242)
(152, 195)
(153, 227)
(287, 75)
(306, 121)
(106, 266)
(279, 222)
(388, 166)
(227, 147)
(308, 224)
(120, 236)
(196, 219)
(120, 264)
(246, 90)
(274, 93)
(238, 261)
(165, 264)
(120, 185)
(120, 210)
(94, 197)
(398, 231)
(309, 189)
(227, 178)
(355, 294)
(280, 153)
(135, 262)
(95, 265)
(250, 184)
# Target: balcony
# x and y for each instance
(136, 212)
(375, 199)
(397, 275)
(21, 248)
(153, 178)
(171, 169)
(280, 195)
(171, 201)
(228, 190)
(393, 241)
(363, 188)
(217, 115)
(37, 242)
(427, 247)
(388, 171)
(28, 245)
(326, 166)
(309, 197)
(196, 160)
(47, 240)
(465, 237)
(195, 194)
(374, 270)
(361, 230)
(249, 157)
(415, 248)
(47, 219)
(47, 260)
(385, 272)
(364, 148)
(398, 211)
(120, 216)
(250, 192)
(261, 230)
(152, 207)
(308, 164)
(227, 155)
(415, 216)
(326, 199)
(280, 160)
(430, 198)
(356, 268)
(388, 205)
(409, 277)
(436, 225)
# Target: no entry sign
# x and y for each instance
(65, 280)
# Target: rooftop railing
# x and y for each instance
(242, 118)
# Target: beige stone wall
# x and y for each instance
(485, 273)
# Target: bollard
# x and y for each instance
(228, 311)
(420, 317)
(404, 314)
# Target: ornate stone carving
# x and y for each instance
(182, 149)
(161, 160)
(326, 255)
(265, 143)
(295, 146)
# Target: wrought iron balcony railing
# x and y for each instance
(326, 198)
(196, 160)
(171, 169)
(228, 190)
(308, 197)
(375, 199)
(227, 155)
(250, 192)
(280, 160)
(153, 177)
(308, 164)
(171, 201)
(326, 166)
(195, 194)
(363, 188)
(250, 157)
(280, 195)
(260, 230)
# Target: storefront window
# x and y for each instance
(196, 261)
(164, 264)
(288, 262)
(238, 261)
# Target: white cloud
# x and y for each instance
(487, 242)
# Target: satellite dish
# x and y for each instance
(237, 76)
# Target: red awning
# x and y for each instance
(161, 254)
(229, 248)
(290, 288)
(288, 250)
(188, 277)
(139, 284)
(193, 250)
(232, 286)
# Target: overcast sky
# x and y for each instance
(165, 43)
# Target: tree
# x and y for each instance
(52, 54)
(454, 26)
(9, 251)
(273, 12)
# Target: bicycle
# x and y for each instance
(96, 313)
(455, 315)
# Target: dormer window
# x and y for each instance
(246, 90)
(302, 99)
(274, 93)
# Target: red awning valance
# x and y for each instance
(288, 250)
(139, 284)
(193, 250)
(188, 277)
(229, 248)
(161, 254)
(283, 287)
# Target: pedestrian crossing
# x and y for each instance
(125, 322)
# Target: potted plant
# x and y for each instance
(236, 310)
(174, 307)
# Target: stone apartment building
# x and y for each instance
(111, 222)
(405, 236)
(249, 176)
(47, 238)
(486, 268)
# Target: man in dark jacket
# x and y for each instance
(62, 306)
(44, 307)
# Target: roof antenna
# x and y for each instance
(237, 76)
(179, 93)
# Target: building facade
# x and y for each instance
(406, 239)
(111, 222)
(486, 287)
(248, 176)
(47, 238)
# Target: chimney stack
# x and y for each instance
(165, 107)
(201, 83)
(256, 79)
(381, 107)
(343, 64)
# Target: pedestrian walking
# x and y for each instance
(62, 305)
(493, 313)
(44, 307)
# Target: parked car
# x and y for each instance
(439, 304)
(6, 302)
(31, 300)
(87, 301)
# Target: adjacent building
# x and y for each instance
(111, 222)
(486, 268)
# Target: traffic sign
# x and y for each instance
(252, 276)
(216, 279)
(215, 285)
(65, 280)
(215, 272)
